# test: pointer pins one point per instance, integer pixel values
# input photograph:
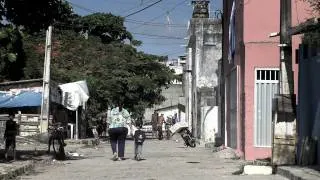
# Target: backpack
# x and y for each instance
(139, 136)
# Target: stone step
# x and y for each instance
(257, 170)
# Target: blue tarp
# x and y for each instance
(23, 99)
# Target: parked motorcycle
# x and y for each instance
(56, 134)
(183, 130)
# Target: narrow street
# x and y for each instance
(163, 160)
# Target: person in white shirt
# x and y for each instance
(118, 121)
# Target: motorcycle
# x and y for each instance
(183, 130)
(56, 134)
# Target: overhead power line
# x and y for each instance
(130, 20)
(143, 8)
(161, 44)
(136, 33)
(137, 6)
(154, 24)
(160, 36)
(150, 36)
(163, 14)
(82, 7)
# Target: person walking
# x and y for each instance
(118, 121)
(139, 137)
(161, 120)
(10, 134)
(154, 122)
(175, 118)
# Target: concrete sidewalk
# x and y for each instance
(29, 154)
(290, 172)
(13, 169)
(299, 173)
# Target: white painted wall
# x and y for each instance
(210, 123)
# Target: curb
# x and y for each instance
(298, 173)
(89, 142)
(210, 145)
(287, 174)
(18, 171)
(23, 169)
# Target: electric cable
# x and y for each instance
(147, 7)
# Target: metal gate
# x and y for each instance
(266, 86)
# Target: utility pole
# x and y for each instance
(77, 124)
(45, 112)
(188, 72)
(284, 118)
(286, 73)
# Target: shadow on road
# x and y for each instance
(23, 155)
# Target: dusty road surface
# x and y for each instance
(167, 160)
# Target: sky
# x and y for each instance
(162, 28)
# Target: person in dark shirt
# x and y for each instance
(139, 137)
(10, 133)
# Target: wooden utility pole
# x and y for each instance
(286, 73)
(45, 112)
(284, 117)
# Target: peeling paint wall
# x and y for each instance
(206, 44)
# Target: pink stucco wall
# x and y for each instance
(260, 19)
(260, 55)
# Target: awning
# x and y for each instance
(23, 99)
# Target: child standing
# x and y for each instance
(139, 137)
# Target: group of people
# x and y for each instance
(119, 123)
(158, 121)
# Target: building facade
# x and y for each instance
(173, 94)
(204, 50)
(250, 72)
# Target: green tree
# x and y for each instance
(11, 54)
(107, 26)
(35, 15)
(114, 72)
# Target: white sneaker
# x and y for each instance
(115, 156)
(138, 158)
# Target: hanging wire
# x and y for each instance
(161, 15)
(147, 7)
